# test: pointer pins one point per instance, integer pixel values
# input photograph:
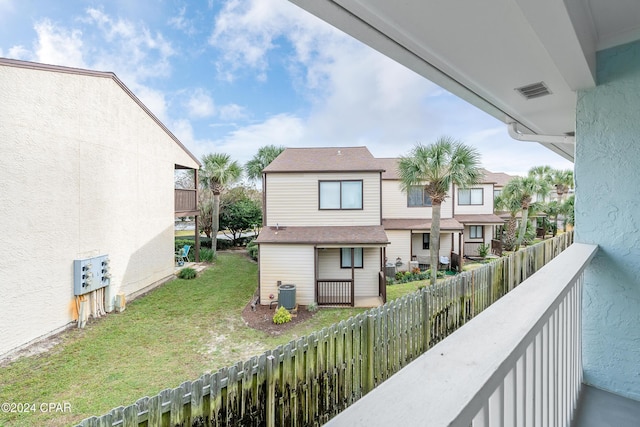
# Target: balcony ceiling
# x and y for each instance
(483, 50)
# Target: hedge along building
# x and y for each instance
(86, 171)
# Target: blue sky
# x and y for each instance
(232, 76)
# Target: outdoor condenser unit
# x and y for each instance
(287, 296)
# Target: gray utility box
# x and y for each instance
(287, 296)
(90, 274)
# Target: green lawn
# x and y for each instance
(174, 334)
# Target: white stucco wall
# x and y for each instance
(84, 170)
(608, 213)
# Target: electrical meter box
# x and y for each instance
(90, 274)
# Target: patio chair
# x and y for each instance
(182, 255)
(444, 261)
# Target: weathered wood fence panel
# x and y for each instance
(308, 381)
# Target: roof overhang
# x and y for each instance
(325, 236)
(421, 225)
(483, 51)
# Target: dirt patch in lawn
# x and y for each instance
(262, 318)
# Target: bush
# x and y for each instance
(224, 244)
(187, 273)
(207, 255)
(313, 307)
(282, 316)
(252, 250)
(483, 250)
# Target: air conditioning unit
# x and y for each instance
(287, 296)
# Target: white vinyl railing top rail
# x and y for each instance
(518, 363)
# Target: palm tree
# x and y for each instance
(523, 189)
(261, 160)
(567, 210)
(562, 180)
(508, 202)
(553, 209)
(542, 173)
(438, 167)
(218, 172)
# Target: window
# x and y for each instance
(340, 194)
(496, 193)
(470, 196)
(425, 240)
(345, 258)
(417, 196)
(476, 231)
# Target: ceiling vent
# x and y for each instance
(535, 90)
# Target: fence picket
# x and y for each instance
(308, 381)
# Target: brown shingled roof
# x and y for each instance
(330, 235)
(446, 224)
(328, 159)
(479, 219)
(390, 165)
(500, 179)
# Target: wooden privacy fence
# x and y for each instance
(310, 380)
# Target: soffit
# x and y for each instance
(483, 50)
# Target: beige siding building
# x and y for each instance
(337, 218)
(86, 171)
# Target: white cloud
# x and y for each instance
(282, 129)
(57, 45)
(180, 22)
(232, 112)
(20, 52)
(153, 99)
(131, 47)
(200, 104)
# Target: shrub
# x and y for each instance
(313, 307)
(187, 273)
(224, 244)
(207, 255)
(252, 250)
(415, 270)
(282, 316)
(483, 250)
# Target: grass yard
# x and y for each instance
(174, 334)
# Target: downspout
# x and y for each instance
(548, 139)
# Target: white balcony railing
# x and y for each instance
(518, 363)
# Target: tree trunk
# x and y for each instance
(523, 227)
(434, 241)
(215, 220)
(510, 237)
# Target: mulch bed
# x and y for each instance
(262, 318)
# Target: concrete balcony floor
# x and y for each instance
(598, 408)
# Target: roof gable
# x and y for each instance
(100, 74)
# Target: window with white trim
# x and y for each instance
(340, 194)
(470, 196)
(345, 257)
